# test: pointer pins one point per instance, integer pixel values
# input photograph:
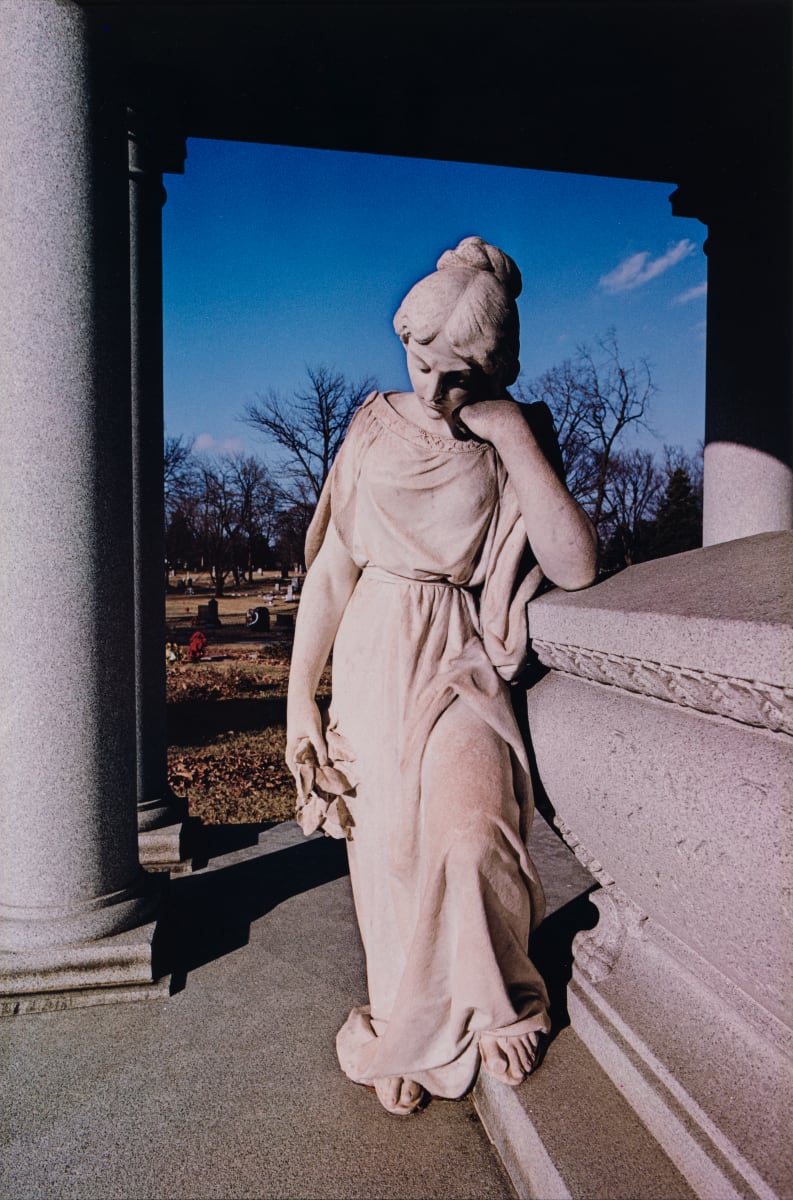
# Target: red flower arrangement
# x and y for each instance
(198, 642)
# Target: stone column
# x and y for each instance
(74, 901)
(160, 813)
(749, 383)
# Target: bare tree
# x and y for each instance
(221, 513)
(256, 503)
(217, 521)
(311, 425)
(178, 468)
(179, 478)
(633, 489)
(294, 518)
(593, 398)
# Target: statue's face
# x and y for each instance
(443, 381)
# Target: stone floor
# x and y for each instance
(230, 1088)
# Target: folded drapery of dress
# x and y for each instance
(323, 792)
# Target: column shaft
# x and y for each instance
(157, 806)
(68, 829)
(749, 388)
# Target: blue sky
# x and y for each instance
(277, 257)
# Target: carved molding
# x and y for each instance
(583, 855)
(596, 950)
(752, 702)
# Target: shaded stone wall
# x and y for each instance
(663, 735)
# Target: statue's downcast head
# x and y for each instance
(470, 298)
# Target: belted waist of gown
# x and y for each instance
(380, 573)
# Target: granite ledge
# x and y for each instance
(725, 610)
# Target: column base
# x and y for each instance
(37, 928)
(110, 970)
(162, 825)
(162, 849)
(167, 809)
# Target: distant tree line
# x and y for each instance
(221, 513)
(232, 514)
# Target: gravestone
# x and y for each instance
(208, 613)
(258, 619)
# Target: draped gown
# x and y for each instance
(434, 799)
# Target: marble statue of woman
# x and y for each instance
(439, 519)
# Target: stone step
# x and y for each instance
(568, 1133)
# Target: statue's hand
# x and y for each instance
(305, 739)
(491, 420)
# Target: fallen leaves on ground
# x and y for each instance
(234, 777)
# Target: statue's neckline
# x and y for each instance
(412, 432)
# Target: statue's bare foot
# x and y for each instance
(399, 1096)
(510, 1059)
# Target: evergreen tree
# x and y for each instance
(678, 520)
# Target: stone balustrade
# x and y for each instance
(662, 735)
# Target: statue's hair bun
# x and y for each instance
(475, 254)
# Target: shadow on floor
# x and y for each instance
(209, 914)
(205, 842)
(552, 953)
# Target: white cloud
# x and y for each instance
(206, 443)
(693, 293)
(638, 269)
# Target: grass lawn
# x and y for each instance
(226, 717)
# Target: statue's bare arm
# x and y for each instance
(561, 534)
(326, 593)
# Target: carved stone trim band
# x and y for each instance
(752, 702)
